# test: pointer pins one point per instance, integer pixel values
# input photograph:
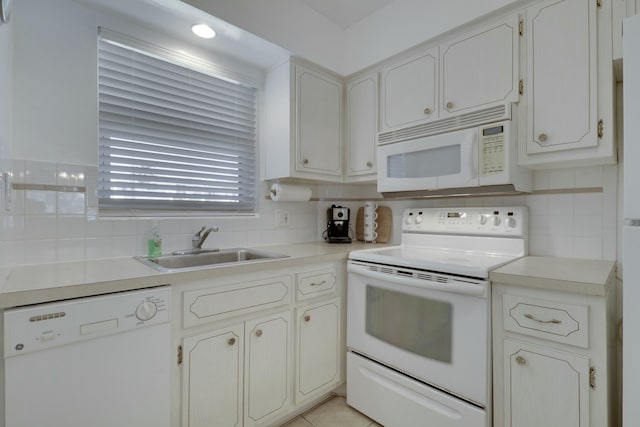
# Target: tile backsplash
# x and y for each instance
(572, 212)
(54, 216)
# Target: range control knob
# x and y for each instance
(511, 222)
(146, 310)
(409, 220)
(482, 219)
(419, 219)
(496, 220)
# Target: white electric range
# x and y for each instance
(419, 317)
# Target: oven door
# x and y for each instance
(435, 329)
(448, 160)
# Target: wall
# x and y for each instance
(569, 224)
(394, 28)
(55, 133)
(6, 89)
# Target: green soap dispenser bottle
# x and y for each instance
(154, 244)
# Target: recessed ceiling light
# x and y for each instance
(204, 31)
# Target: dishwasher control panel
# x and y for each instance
(38, 327)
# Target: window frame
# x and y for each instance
(200, 63)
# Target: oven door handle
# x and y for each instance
(456, 287)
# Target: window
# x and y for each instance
(172, 137)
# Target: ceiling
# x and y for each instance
(345, 13)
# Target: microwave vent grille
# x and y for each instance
(463, 121)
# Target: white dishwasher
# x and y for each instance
(97, 361)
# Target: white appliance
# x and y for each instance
(631, 228)
(419, 317)
(482, 158)
(100, 361)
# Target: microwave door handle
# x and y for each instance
(458, 287)
(475, 153)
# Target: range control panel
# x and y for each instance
(496, 221)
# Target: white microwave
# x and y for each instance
(481, 156)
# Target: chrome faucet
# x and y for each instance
(198, 239)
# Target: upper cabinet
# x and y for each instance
(480, 69)
(409, 94)
(362, 127)
(568, 88)
(303, 123)
(473, 71)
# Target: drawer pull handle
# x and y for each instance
(307, 318)
(521, 360)
(532, 317)
(259, 333)
(318, 284)
(231, 341)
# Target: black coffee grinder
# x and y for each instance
(338, 225)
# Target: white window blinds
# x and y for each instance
(172, 138)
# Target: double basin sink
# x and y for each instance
(207, 258)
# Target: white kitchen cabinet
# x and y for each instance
(546, 387)
(409, 91)
(250, 360)
(318, 356)
(362, 127)
(568, 85)
(267, 391)
(253, 348)
(303, 123)
(554, 341)
(212, 382)
(480, 69)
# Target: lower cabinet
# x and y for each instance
(247, 362)
(318, 358)
(256, 349)
(547, 387)
(554, 333)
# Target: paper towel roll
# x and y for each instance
(290, 193)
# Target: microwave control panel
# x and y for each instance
(492, 149)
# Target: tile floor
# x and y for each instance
(332, 413)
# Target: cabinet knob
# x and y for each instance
(369, 164)
(231, 341)
(259, 333)
(520, 360)
(449, 105)
(307, 318)
(427, 111)
(542, 137)
(305, 161)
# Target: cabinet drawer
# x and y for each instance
(315, 283)
(212, 304)
(565, 323)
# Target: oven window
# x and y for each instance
(419, 325)
(425, 163)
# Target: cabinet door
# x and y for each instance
(318, 359)
(544, 387)
(561, 80)
(319, 123)
(409, 91)
(480, 69)
(267, 367)
(362, 125)
(212, 376)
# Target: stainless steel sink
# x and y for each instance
(208, 258)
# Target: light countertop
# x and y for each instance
(588, 277)
(32, 284)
